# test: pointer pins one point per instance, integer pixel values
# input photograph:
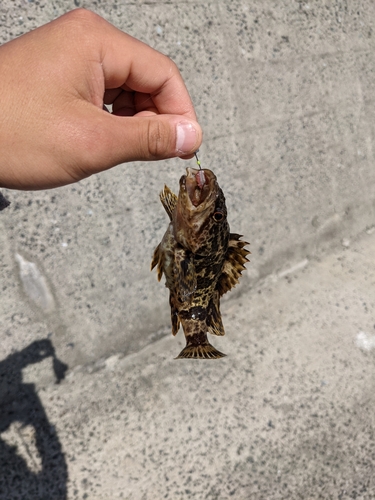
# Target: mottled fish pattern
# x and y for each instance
(200, 259)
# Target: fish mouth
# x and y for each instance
(199, 184)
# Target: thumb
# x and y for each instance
(155, 137)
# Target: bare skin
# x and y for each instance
(54, 82)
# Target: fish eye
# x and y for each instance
(218, 216)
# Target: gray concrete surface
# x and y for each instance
(285, 94)
(287, 415)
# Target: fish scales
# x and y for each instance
(200, 258)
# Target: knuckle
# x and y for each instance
(81, 23)
(172, 67)
(158, 139)
(82, 16)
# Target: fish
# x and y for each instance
(200, 259)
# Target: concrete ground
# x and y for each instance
(288, 414)
(285, 95)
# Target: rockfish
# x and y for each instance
(200, 258)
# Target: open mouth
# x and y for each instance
(198, 185)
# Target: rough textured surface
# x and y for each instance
(287, 415)
(285, 94)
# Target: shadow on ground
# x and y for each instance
(40, 472)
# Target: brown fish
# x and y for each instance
(200, 258)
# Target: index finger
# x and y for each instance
(130, 63)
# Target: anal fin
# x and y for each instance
(174, 314)
(214, 322)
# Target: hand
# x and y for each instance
(54, 82)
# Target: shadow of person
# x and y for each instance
(21, 406)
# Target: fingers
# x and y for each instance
(120, 139)
(129, 103)
(156, 118)
(54, 115)
(131, 64)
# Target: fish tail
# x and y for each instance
(201, 351)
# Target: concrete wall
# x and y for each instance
(285, 94)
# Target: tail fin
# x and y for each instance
(202, 351)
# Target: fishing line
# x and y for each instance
(199, 176)
(196, 157)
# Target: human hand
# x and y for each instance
(54, 82)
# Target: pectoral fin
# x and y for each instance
(158, 259)
(234, 264)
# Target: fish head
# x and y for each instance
(199, 188)
(201, 212)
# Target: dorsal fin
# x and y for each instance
(169, 200)
(234, 264)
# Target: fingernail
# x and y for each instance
(186, 137)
